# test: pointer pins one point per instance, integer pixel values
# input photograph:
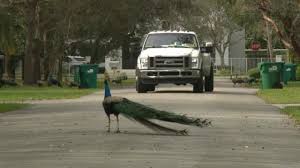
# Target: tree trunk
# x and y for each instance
(60, 61)
(1, 68)
(296, 48)
(60, 69)
(46, 57)
(221, 53)
(95, 56)
(125, 53)
(46, 69)
(7, 67)
(222, 61)
(30, 58)
(270, 41)
(37, 59)
(288, 38)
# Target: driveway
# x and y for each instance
(246, 133)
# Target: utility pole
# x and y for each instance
(270, 41)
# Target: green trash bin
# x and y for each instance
(88, 76)
(271, 74)
(294, 72)
(77, 74)
(298, 73)
(289, 73)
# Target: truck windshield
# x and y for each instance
(169, 40)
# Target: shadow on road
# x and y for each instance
(174, 91)
(150, 134)
(233, 93)
(229, 92)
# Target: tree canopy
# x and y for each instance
(44, 31)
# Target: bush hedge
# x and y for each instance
(254, 73)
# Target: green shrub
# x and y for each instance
(224, 72)
(254, 73)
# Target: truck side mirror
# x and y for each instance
(206, 49)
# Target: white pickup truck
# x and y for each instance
(174, 57)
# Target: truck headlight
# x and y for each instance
(195, 63)
(144, 63)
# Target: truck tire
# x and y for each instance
(209, 81)
(140, 87)
(151, 88)
(198, 87)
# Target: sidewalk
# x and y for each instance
(282, 106)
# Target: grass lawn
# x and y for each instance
(289, 95)
(51, 93)
(125, 83)
(129, 82)
(11, 107)
(294, 112)
(42, 93)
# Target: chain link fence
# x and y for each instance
(233, 66)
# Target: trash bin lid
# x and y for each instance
(271, 66)
(291, 65)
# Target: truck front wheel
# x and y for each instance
(140, 87)
(151, 88)
(198, 87)
(209, 81)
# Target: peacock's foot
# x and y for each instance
(118, 131)
(182, 132)
(108, 131)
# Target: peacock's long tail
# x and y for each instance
(159, 128)
(143, 114)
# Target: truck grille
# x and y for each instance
(169, 62)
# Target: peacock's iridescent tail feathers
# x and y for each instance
(137, 111)
(159, 128)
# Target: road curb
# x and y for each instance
(282, 106)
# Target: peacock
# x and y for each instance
(143, 114)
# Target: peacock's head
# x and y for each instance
(106, 76)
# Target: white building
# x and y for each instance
(113, 60)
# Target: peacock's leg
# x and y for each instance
(108, 130)
(118, 129)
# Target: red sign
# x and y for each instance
(255, 46)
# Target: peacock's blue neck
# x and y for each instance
(106, 89)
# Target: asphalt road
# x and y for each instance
(246, 133)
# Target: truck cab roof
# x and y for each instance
(175, 32)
